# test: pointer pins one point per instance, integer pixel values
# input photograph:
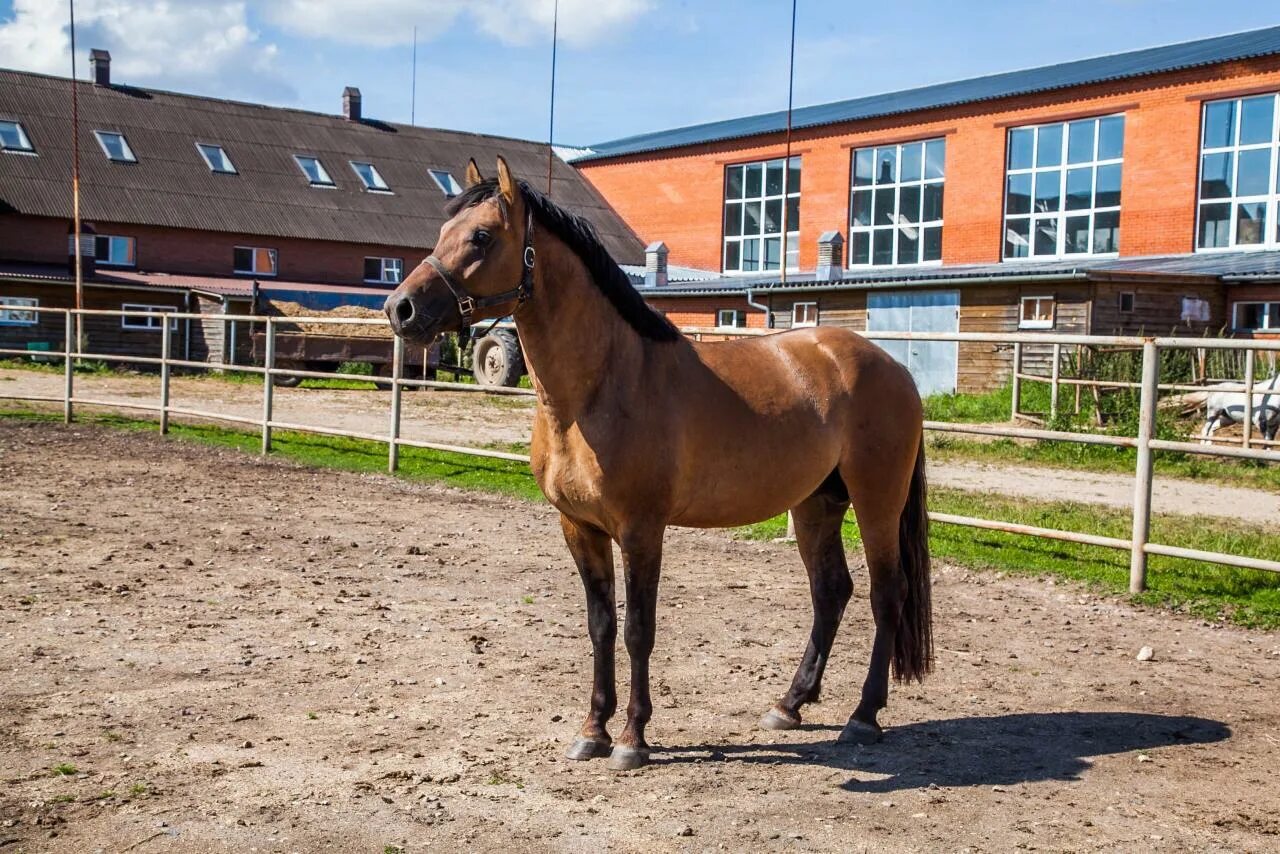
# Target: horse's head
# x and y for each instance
(482, 266)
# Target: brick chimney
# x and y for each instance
(100, 67)
(655, 265)
(830, 257)
(88, 249)
(351, 103)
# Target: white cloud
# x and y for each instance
(206, 45)
(383, 23)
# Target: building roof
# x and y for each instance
(170, 185)
(1223, 266)
(1118, 66)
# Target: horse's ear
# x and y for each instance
(473, 173)
(506, 181)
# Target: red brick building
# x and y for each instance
(1126, 193)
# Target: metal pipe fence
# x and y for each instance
(1145, 442)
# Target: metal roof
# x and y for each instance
(1118, 66)
(170, 185)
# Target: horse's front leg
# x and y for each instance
(642, 565)
(592, 551)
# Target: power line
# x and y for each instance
(551, 130)
(786, 162)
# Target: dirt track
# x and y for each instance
(237, 655)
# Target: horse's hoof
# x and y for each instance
(776, 718)
(625, 758)
(859, 732)
(587, 748)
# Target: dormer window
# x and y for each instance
(314, 170)
(215, 156)
(115, 146)
(370, 176)
(446, 182)
(14, 138)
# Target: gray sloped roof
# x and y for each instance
(170, 185)
(1099, 69)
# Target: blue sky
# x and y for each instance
(625, 66)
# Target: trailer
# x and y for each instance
(306, 351)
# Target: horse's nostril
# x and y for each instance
(404, 310)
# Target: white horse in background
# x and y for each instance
(1227, 407)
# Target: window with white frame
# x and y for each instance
(1062, 189)
(254, 260)
(1036, 312)
(1258, 316)
(14, 138)
(369, 176)
(804, 314)
(115, 146)
(729, 318)
(215, 157)
(316, 174)
(756, 197)
(112, 250)
(1240, 174)
(152, 320)
(388, 271)
(446, 182)
(895, 203)
(12, 313)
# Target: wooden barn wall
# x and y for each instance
(1157, 308)
(104, 334)
(839, 308)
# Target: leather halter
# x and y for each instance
(467, 304)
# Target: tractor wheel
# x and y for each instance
(497, 360)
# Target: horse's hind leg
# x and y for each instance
(818, 520)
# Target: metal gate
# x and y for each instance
(932, 363)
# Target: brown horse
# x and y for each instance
(638, 428)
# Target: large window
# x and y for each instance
(1062, 194)
(151, 321)
(12, 314)
(115, 146)
(1263, 316)
(255, 260)
(114, 251)
(754, 196)
(895, 207)
(387, 271)
(14, 138)
(1239, 174)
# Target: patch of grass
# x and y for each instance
(112, 735)
(105, 795)
(1248, 598)
(502, 778)
(63, 799)
(137, 790)
(311, 716)
(392, 849)
(528, 600)
(64, 769)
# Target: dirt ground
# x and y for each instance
(469, 419)
(225, 653)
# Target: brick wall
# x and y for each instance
(174, 250)
(676, 195)
(701, 311)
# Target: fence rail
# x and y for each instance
(1145, 442)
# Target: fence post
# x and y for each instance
(1057, 374)
(69, 370)
(1248, 398)
(1142, 481)
(1017, 380)
(397, 373)
(166, 347)
(268, 384)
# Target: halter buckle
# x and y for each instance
(466, 305)
(530, 257)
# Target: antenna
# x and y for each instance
(551, 130)
(786, 163)
(75, 179)
(413, 80)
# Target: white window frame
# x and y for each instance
(328, 179)
(25, 146)
(149, 322)
(789, 247)
(231, 167)
(811, 311)
(1062, 214)
(1023, 323)
(736, 314)
(1269, 200)
(380, 183)
(1270, 315)
(899, 227)
(12, 313)
(129, 156)
(114, 240)
(386, 264)
(452, 188)
(275, 261)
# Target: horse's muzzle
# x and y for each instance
(408, 321)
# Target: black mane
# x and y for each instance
(579, 235)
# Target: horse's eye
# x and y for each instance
(480, 237)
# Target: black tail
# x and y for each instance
(913, 642)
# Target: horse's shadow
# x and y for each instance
(977, 751)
